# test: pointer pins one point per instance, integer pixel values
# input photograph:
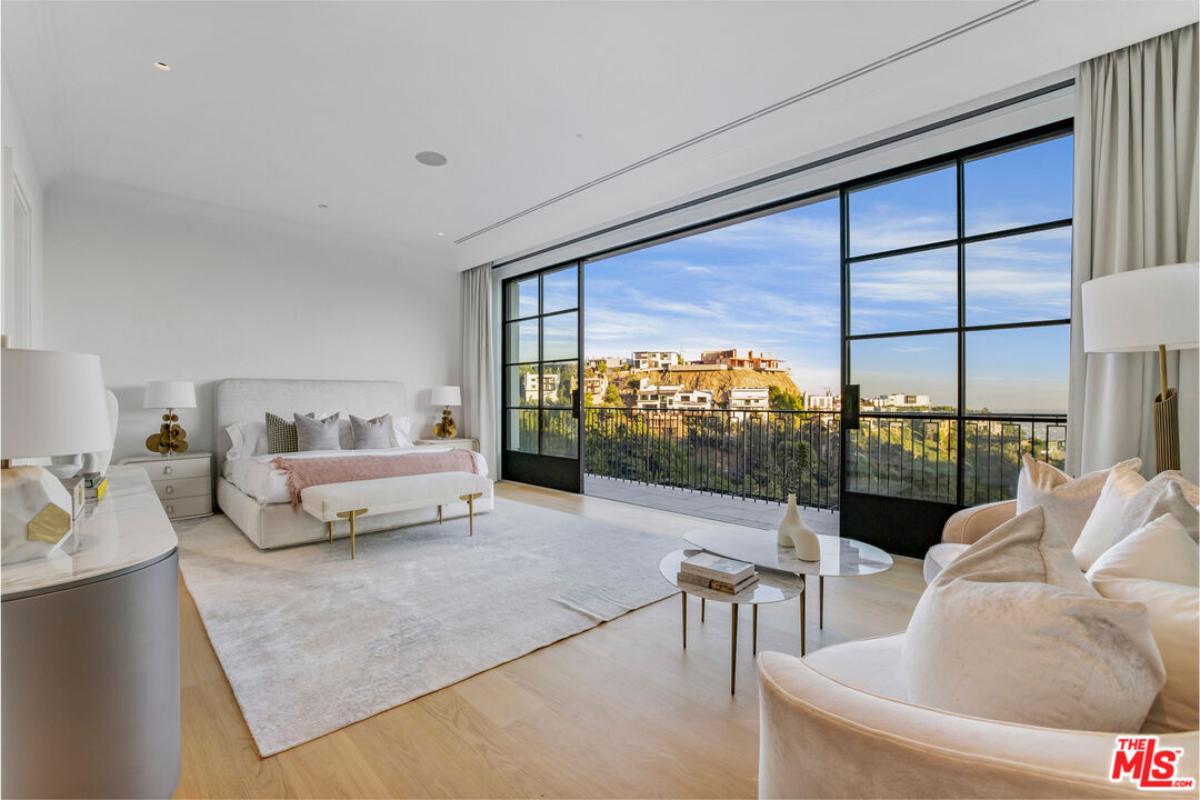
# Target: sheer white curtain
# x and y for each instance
(1136, 206)
(478, 387)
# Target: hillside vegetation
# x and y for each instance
(719, 382)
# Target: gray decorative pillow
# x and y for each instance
(281, 434)
(317, 434)
(372, 434)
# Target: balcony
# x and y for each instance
(740, 466)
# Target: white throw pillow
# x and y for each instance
(1103, 528)
(1067, 501)
(1128, 502)
(1159, 566)
(1013, 631)
(401, 426)
(248, 439)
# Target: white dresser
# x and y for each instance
(182, 482)
(454, 444)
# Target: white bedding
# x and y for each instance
(256, 477)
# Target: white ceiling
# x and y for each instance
(274, 107)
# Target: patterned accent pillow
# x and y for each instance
(281, 434)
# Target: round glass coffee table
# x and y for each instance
(840, 558)
(770, 588)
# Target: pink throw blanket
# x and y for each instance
(305, 472)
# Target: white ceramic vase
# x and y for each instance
(794, 533)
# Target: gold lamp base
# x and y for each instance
(445, 429)
(171, 438)
(1166, 419)
(1166, 431)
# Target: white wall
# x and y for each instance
(18, 162)
(168, 288)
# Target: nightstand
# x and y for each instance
(183, 482)
(456, 444)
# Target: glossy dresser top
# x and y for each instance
(122, 532)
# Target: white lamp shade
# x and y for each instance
(53, 404)
(170, 394)
(446, 396)
(1141, 309)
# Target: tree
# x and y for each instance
(612, 395)
(601, 367)
(783, 400)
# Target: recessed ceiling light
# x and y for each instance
(162, 66)
(322, 205)
(441, 233)
(430, 158)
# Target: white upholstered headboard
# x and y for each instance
(243, 399)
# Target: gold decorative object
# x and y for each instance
(446, 429)
(49, 525)
(1166, 419)
(171, 438)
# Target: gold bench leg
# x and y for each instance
(353, 517)
(329, 529)
(470, 498)
(440, 518)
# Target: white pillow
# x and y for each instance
(1158, 565)
(1012, 631)
(401, 427)
(1103, 528)
(1128, 502)
(248, 439)
(1067, 501)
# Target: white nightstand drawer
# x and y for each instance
(187, 506)
(185, 487)
(175, 468)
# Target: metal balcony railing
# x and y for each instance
(765, 455)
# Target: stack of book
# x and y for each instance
(709, 571)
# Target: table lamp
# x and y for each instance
(446, 396)
(169, 395)
(53, 404)
(1143, 310)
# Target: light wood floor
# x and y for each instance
(617, 711)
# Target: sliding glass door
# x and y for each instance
(541, 408)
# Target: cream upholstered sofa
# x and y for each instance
(963, 529)
(837, 723)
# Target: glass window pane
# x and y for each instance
(914, 457)
(1025, 186)
(992, 450)
(560, 290)
(558, 381)
(907, 374)
(521, 298)
(1021, 370)
(910, 211)
(522, 386)
(904, 293)
(523, 430)
(560, 434)
(1019, 278)
(522, 341)
(560, 337)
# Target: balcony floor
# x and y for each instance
(751, 513)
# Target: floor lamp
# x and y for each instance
(1143, 310)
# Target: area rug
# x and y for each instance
(312, 641)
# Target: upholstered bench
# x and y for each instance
(356, 499)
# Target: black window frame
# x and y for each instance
(959, 160)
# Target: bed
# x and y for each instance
(254, 495)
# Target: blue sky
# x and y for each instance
(772, 284)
